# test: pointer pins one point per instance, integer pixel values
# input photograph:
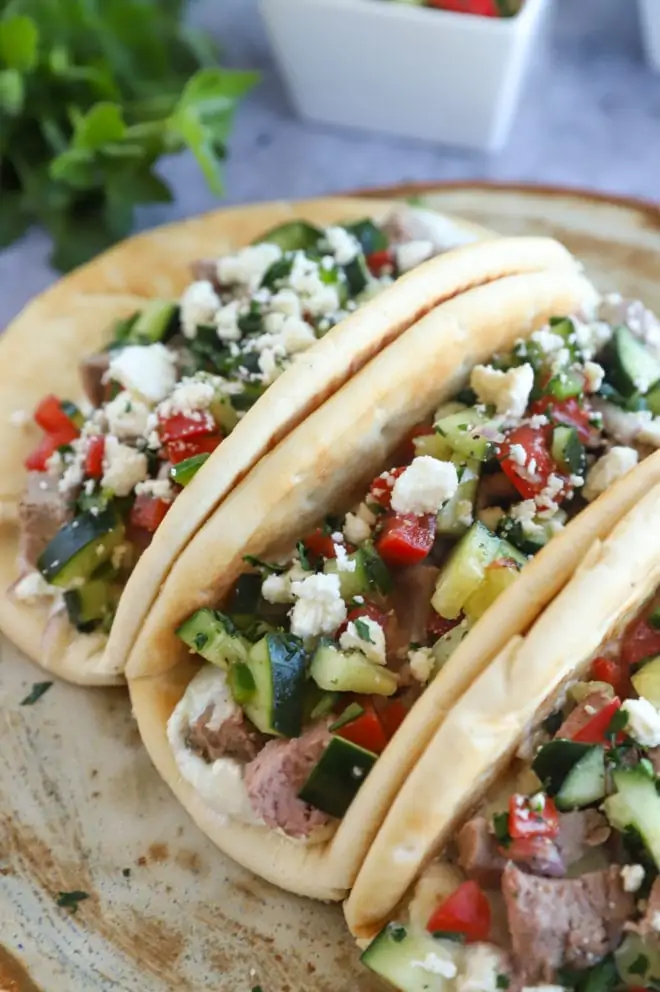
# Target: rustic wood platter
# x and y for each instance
(82, 810)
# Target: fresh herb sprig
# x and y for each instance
(92, 94)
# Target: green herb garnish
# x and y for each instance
(654, 619)
(501, 828)
(304, 557)
(363, 631)
(640, 965)
(502, 982)
(459, 938)
(126, 872)
(201, 640)
(264, 566)
(36, 692)
(397, 932)
(71, 900)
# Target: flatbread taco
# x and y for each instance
(309, 641)
(539, 798)
(124, 378)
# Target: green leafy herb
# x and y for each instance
(92, 95)
(639, 965)
(257, 988)
(352, 712)
(36, 692)
(618, 723)
(304, 557)
(71, 900)
(654, 619)
(459, 938)
(363, 631)
(126, 872)
(201, 640)
(397, 932)
(501, 828)
(503, 981)
(264, 566)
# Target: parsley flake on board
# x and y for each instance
(264, 566)
(71, 900)
(36, 692)
(363, 632)
(503, 981)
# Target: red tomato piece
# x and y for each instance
(53, 420)
(532, 816)
(321, 544)
(381, 487)
(37, 459)
(570, 412)
(178, 451)
(379, 260)
(406, 539)
(640, 641)
(465, 911)
(182, 427)
(531, 477)
(614, 673)
(148, 512)
(486, 8)
(437, 625)
(594, 731)
(365, 731)
(392, 716)
(94, 457)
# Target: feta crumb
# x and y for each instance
(32, 587)
(19, 418)
(187, 397)
(546, 499)
(74, 470)
(525, 514)
(127, 416)
(482, 964)
(617, 462)
(147, 370)
(343, 245)
(198, 304)
(538, 420)
(248, 266)
(410, 254)
(268, 362)
(344, 563)
(655, 922)
(158, 488)
(286, 302)
(276, 588)
(357, 526)
(297, 335)
(508, 391)
(320, 298)
(421, 663)
(123, 467)
(437, 965)
(548, 341)
(424, 486)
(593, 375)
(650, 433)
(373, 649)
(319, 608)
(226, 321)
(643, 722)
(633, 876)
(518, 454)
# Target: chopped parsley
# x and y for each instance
(201, 640)
(640, 965)
(502, 982)
(501, 829)
(71, 900)
(397, 932)
(36, 692)
(363, 632)
(264, 566)
(304, 557)
(618, 723)
(459, 938)
(126, 872)
(654, 619)
(552, 723)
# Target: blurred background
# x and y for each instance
(588, 116)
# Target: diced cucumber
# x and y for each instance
(433, 445)
(571, 772)
(647, 681)
(212, 635)
(568, 451)
(318, 702)
(92, 604)
(631, 367)
(279, 668)
(455, 517)
(446, 644)
(516, 534)
(337, 776)
(495, 582)
(223, 413)
(370, 236)
(465, 570)
(241, 682)
(636, 804)
(565, 384)
(357, 275)
(72, 412)
(581, 690)
(350, 671)
(79, 547)
(653, 400)
(460, 430)
(153, 323)
(295, 235)
(370, 573)
(397, 954)
(638, 961)
(352, 712)
(184, 472)
(449, 408)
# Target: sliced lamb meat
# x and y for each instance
(649, 925)
(583, 714)
(478, 853)
(564, 922)
(579, 831)
(92, 370)
(205, 269)
(277, 774)
(235, 738)
(411, 604)
(42, 511)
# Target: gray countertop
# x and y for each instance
(590, 117)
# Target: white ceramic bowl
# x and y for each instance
(650, 14)
(411, 71)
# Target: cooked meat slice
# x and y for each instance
(405, 223)
(277, 774)
(42, 511)
(478, 853)
(583, 713)
(557, 922)
(235, 737)
(579, 831)
(92, 371)
(411, 604)
(649, 925)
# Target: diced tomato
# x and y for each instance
(182, 427)
(379, 260)
(571, 412)
(531, 477)
(437, 625)
(640, 641)
(392, 716)
(381, 487)
(148, 512)
(594, 731)
(37, 459)
(465, 911)
(366, 730)
(94, 457)
(321, 544)
(178, 451)
(486, 8)
(614, 673)
(369, 610)
(406, 539)
(53, 420)
(532, 816)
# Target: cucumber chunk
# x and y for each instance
(397, 953)
(446, 644)
(357, 275)
(638, 961)
(212, 635)
(370, 574)
(454, 518)
(636, 804)
(433, 445)
(370, 236)
(337, 776)
(514, 532)
(459, 430)
(278, 665)
(295, 235)
(630, 365)
(223, 413)
(571, 772)
(647, 681)
(495, 582)
(241, 682)
(153, 323)
(465, 570)
(349, 671)
(72, 412)
(566, 384)
(92, 605)
(653, 400)
(80, 547)
(568, 451)
(184, 472)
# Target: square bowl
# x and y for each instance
(649, 11)
(410, 71)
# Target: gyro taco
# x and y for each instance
(539, 797)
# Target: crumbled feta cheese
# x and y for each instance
(650, 433)
(226, 321)
(591, 336)
(525, 513)
(248, 266)
(546, 499)
(199, 304)
(127, 416)
(320, 298)
(19, 418)
(548, 341)
(33, 587)
(187, 397)
(319, 608)
(344, 563)
(655, 922)
(286, 302)
(593, 376)
(642, 322)
(517, 454)
(643, 722)
(297, 335)
(123, 467)
(147, 370)
(508, 391)
(632, 876)
(437, 964)
(343, 245)
(421, 664)
(276, 588)
(372, 648)
(538, 420)
(158, 488)
(356, 528)
(410, 254)
(608, 469)
(482, 964)
(424, 486)
(74, 471)
(269, 364)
